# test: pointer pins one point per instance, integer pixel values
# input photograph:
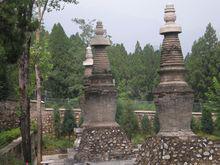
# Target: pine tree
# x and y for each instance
(156, 123)
(69, 122)
(56, 121)
(201, 63)
(130, 122)
(206, 121)
(146, 125)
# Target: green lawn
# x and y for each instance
(53, 145)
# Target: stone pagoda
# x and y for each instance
(173, 96)
(175, 143)
(102, 138)
(88, 63)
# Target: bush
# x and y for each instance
(206, 121)
(56, 121)
(11, 159)
(195, 125)
(146, 125)
(69, 122)
(156, 123)
(130, 122)
(217, 123)
(121, 104)
(7, 136)
(51, 143)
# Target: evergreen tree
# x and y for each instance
(206, 121)
(156, 123)
(65, 80)
(195, 126)
(69, 122)
(56, 121)
(213, 100)
(130, 122)
(138, 49)
(146, 125)
(201, 63)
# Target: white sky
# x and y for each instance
(130, 20)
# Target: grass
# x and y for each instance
(213, 137)
(8, 136)
(143, 106)
(139, 138)
(52, 144)
(11, 159)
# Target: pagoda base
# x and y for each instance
(177, 151)
(102, 144)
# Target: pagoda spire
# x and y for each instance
(173, 97)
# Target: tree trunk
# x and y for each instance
(38, 91)
(39, 116)
(25, 104)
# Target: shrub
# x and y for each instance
(130, 122)
(69, 122)
(146, 125)
(195, 125)
(56, 121)
(7, 136)
(206, 121)
(156, 123)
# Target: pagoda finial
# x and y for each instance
(170, 18)
(99, 38)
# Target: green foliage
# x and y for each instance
(156, 123)
(143, 105)
(34, 126)
(66, 77)
(81, 120)
(135, 74)
(201, 63)
(120, 111)
(146, 125)
(11, 159)
(69, 122)
(129, 122)
(213, 100)
(56, 121)
(51, 143)
(195, 125)
(139, 138)
(206, 121)
(87, 28)
(7, 136)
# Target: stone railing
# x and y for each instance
(150, 114)
(15, 149)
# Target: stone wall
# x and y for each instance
(9, 115)
(173, 150)
(47, 118)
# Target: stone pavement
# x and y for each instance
(61, 159)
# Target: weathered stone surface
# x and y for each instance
(100, 93)
(174, 150)
(173, 96)
(103, 143)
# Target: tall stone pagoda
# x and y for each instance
(102, 138)
(173, 96)
(88, 63)
(175, 143)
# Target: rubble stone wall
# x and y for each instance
(9, 115)
(173, 150)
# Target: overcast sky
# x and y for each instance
(130, 20)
